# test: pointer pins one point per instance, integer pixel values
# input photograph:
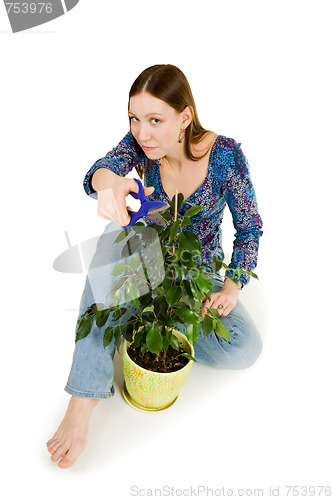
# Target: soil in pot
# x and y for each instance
(164, 362)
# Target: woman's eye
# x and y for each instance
(135, 119)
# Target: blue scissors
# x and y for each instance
(148, 208)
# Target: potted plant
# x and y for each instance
(157, 357)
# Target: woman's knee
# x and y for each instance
(248, 354)
(242, 348)
(245, 344)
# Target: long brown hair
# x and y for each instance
(168, 83)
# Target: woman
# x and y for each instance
(172, 151)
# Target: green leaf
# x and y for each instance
(127, 331)
(217, 263)
(149, 308)
(131, 291)
(187, 316)
(221, 330)
(157, 227)
(116, 298)
(160, 305)
(118, 313)
(148, 235)
(187, 259)
(118, 269)
(195, 291)
(204, 284)
(154, 340)
(103, 317)
(185, 222)
(118, 285)
(136, 302)
(193, 211)
(138, 338)
(174, 230)
(117, 336)
(94, 308)
(166, 216)
(174, 342)
(121, 236)
(108, 336)
(180, 199)
(180, 270)
(144, 348)
(214, 312)
(166, 321)
(192, 333)
(187, 355)
(135, 262)
(132, 244)
(165, 233)
(187, 295)
(173, 295)
(250, 273)
(174, 256)
(145, 300)
(84, 327)
(189, 240)
(165, 250)
(207, 325)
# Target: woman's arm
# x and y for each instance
(106, 180)
(120, 160)
(239, 194)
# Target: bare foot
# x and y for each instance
(70, 439)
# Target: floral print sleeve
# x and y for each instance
(238, 192)
(120, 160)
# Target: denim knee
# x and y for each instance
(241, 350)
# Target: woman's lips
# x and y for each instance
(147, 149)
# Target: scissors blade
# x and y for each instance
(159, 209)
(154, 214)
(157, 218)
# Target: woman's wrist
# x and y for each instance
(231, 286)
(102, 179)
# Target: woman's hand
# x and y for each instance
(227, 298)
(112, 190)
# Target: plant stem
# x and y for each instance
(175, 217)
(128, 322)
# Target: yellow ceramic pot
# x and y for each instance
(155, 390)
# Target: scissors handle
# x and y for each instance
(145, 207)
(141, 194)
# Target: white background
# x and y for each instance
(260, 72)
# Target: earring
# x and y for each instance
(180, 140)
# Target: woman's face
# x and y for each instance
(156, 125)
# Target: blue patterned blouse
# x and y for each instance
(227, 182)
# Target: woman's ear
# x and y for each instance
(187, 116)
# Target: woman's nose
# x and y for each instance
(144, 133)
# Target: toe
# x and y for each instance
(72, 455)
(50, 442)
(60, 451)
(65, 463)
(55, 447)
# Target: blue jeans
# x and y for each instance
(92, 370)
